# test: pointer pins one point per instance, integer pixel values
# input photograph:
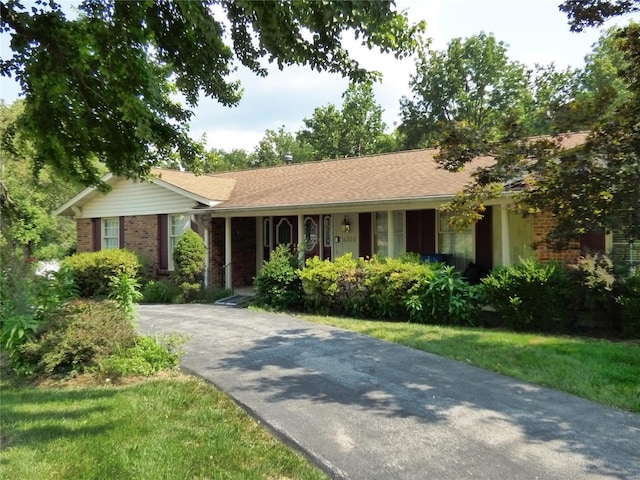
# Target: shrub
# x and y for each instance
(278, 283)
(529, 295)
(337, 286)
(93, 270)
(159, 292)
(591, 292)
(630, 305)
(148, 356)
(188, 260)
(443, 297)
(78, 337)
(388, 282)
(125, 291)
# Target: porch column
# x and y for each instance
(391, 244)
(228, 270)
(505, 235)
(301, 237)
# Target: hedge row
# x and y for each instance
(529, 296)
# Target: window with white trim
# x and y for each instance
(326, 231)
(178, 224)
(310, 234)
(110, 233)
(284, 232)
(381, 233)
(399, 243)
(624, 252)
(458, 243)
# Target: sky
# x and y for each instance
(534, 30)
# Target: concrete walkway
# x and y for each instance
(366, 409)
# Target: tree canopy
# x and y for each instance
(102, 87)
(473, 82)
(594, 186)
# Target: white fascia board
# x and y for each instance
(80, 196)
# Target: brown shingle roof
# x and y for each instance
(400, 175)
(404, 175)
(205, 186)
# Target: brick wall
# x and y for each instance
(84, 235)
(542, 225)
(141, 236)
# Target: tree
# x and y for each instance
(323, 132)
(101, 85)
(276, 144)
(219, 160)
(602, 89)
(26, 201)
(592, 13)
(472, 82)
(362, 123)
(357, 129)
(590, 187)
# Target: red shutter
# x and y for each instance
(163, 241)
(484, 240)
(365, 248)
(421, 233)
(121, 232)
(97, 234)
(593, 242)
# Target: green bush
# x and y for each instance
(443, 297)
(188, 261)
(278, 283)
(529, 295)
(148, 356)
(630, 305)
(591, 292)
(337, 286)
(81, 335)
(388, 281)
(93, 270)
(159, 291)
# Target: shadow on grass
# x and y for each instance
(35, 416)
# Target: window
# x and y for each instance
(110, 233)
(381, 233)
(399, 245)
(458, 243)
(266, 233)
(624, 252)
(310, 234)
(326, 231)
(178, 224)
(284, 232)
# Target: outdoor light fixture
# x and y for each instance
(346, 224)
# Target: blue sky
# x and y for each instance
(535, 31)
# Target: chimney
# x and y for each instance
(288, 158)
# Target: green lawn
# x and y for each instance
(177, 428)
(603, 371)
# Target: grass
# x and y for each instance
(174, 428)
(603, 371)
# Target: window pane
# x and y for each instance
(382, 224)
(310, 234)
(283, 232)
(327, 231)
(398, 222)
(110, 233)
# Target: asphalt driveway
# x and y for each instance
(362, 408)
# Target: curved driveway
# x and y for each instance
(362, 408)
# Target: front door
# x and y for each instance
(311, 236)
